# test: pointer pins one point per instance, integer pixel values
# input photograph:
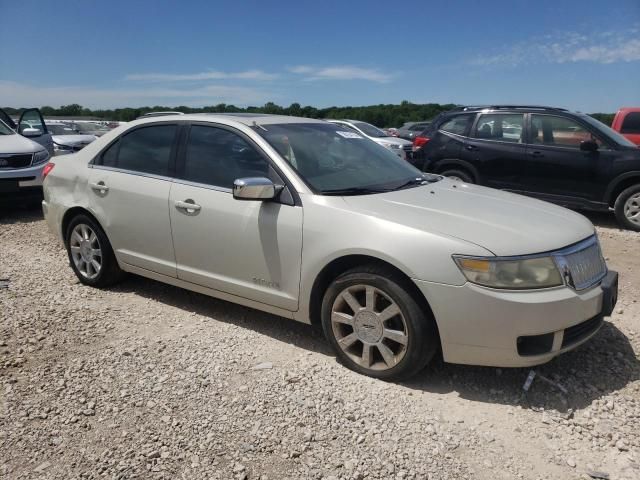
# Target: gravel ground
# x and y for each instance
(149, 381)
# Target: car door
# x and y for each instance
(496, 149)
(31, 125)
(129, 193)
(251, 249)
(556, 166)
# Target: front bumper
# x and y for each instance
(482, 326)
(20, 184)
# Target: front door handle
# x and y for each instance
(471, 148)
(188, 207)
(536, 154)
(100, 188)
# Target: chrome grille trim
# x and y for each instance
(582, 264)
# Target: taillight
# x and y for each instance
(47, 168)
(420, 142)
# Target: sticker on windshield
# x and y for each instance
(348, 134)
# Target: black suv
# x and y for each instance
(550, 153)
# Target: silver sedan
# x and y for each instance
(311, 221)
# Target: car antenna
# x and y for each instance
(255, 124)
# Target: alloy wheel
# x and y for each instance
(632, 208)
(86, 251)
(369, 327)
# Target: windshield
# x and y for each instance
(334, 160)
(4, 129)
(59, 129)
(609, 132)
(370, 130)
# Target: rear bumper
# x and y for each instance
(481, 326)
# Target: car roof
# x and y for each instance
(248, 119)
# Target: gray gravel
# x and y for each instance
(150, 381)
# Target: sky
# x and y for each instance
(578, 54)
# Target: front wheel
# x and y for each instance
(376, 326)
(627, 208)
(458, 175)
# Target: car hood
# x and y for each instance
(393, 141)
(18, 144)
(501, 222)
(73, 140)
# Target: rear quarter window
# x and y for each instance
(458, 125)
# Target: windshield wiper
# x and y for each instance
(353, 191)
(423, 180)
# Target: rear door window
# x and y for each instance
(631, 123)
(144, 150)
(502, 127)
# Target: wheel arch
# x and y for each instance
(446, 163)
(620, 183)
(341, 264)
(72, 213)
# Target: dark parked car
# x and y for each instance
(409, 130)
(560, 156)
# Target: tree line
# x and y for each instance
(382, 115)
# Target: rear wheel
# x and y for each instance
(90, 253)
(458, 175)
(376, 326)
(627, 208)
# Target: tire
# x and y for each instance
(368, 331)
(461, 175)
(83, 239)
(628, 204)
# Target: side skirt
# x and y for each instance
(176, 282)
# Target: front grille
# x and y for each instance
(17, 160)
(586, 266)
(580, 331)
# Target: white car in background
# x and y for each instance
(21, 165)
(30, 125)
(399, 146)
(66, 139)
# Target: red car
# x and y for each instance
(627, 122)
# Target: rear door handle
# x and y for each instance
(99, 188)
(188, 207)
(536, 154)
(471, 148)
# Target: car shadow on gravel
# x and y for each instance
(604, 364)
(602, 219)
(20, 214)
(299, 334)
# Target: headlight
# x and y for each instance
(58, 146)
(539, 272)
(40, 156)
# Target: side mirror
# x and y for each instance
(588, 146)
(255, 188)
(31, 132)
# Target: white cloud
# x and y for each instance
(23, 95)
(604, 48)
(341, 72)
(210, 75)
